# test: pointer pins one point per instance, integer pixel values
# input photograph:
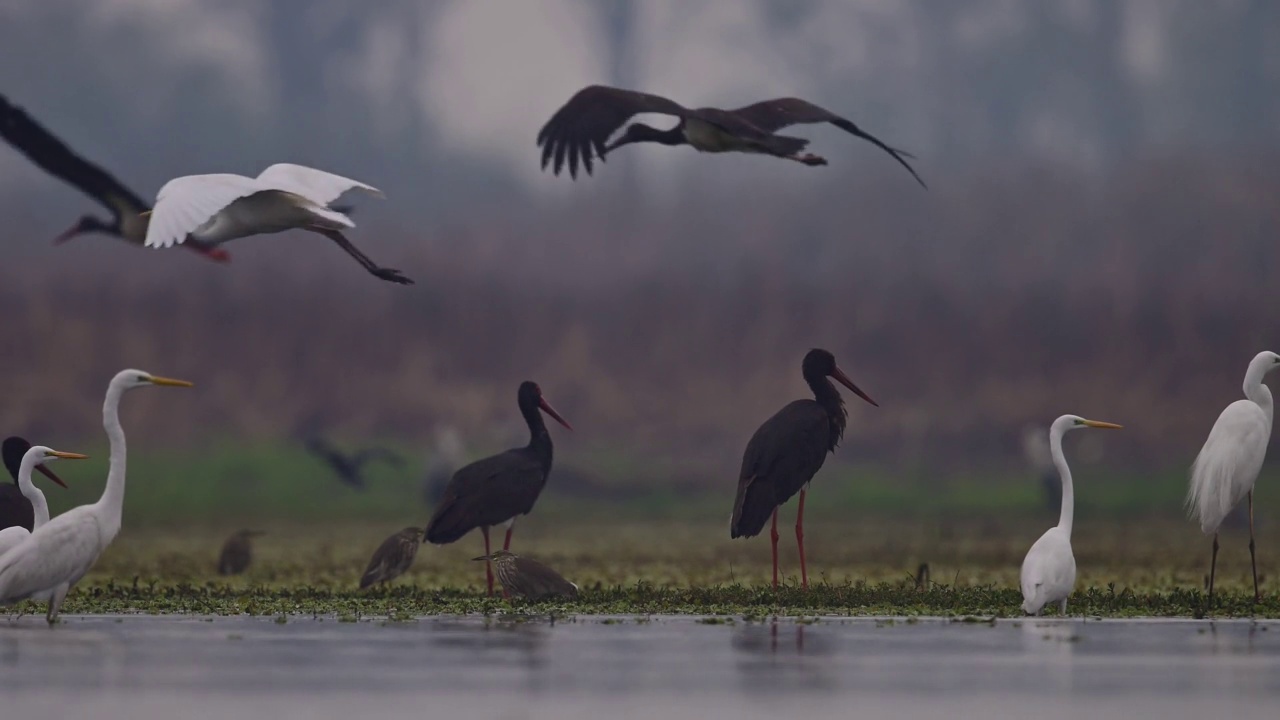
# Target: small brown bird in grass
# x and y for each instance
(527, 578)
(237, 552)
(922, 577)
(392, 557)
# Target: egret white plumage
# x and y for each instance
(218, 208)
(1227, 467)
(1049, 570)
(38, 455)
(60, 552)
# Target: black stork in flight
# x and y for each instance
(581, 129)
(128, 221)
(787, 451)
(349, 467)
(15, 508)
(499, 488)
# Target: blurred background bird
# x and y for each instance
(237, 552)
(349, 467)
(393, 557)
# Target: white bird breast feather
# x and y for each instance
(61, 551)
(1228, 464)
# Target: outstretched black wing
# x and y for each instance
(54, 157)
(580, 129)
(773, 115)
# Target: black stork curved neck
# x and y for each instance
(530, 400)
(826, 395)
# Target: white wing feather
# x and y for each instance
(317, 186)
(12, 537)
(61, 551)
(186, 203)
(1048, 572)
(1228, 464)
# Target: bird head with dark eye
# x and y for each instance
(495, 556)
(639, 132)
(821, 363)
(530, 395)
(85, 225)
(12, 451)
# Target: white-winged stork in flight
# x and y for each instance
(579, 132)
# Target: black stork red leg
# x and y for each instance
(488, 567)
(773, 538)
(804, 572)
(506, 544)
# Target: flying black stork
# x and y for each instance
(127, 222)
(580, 130)
(498, 488)
(785, 453)
(15, 509)
(349, 467)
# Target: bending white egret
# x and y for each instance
(1049, 570)
(215, 209)
(38, 455)
(61, 551)
(1227, 467)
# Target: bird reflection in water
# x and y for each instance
(779, 651)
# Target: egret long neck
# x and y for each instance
(1066, 517)
(112, 501)
(1256, 390)
(31, 492)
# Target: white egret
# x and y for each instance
(15, 508)
(217, 208)
(1227, 467)
(61, 551)
(38, 455)
(1049, 570)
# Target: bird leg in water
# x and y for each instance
(379, 272)
(773, 538)
(804, 573)
(1253, 560)
(807, 159)
(1213, 566)
(488, 566)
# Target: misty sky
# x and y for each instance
(440, 101)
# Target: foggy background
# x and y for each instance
(1098, 236)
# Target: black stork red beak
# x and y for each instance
(70, 233)
(844, 380)
(546, 408)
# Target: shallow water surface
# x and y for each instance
(140, 667)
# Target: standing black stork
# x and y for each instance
(48, 152)
(498, 488)
(350, 467)
(15, 508)
(582, 128)
(785, 453)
